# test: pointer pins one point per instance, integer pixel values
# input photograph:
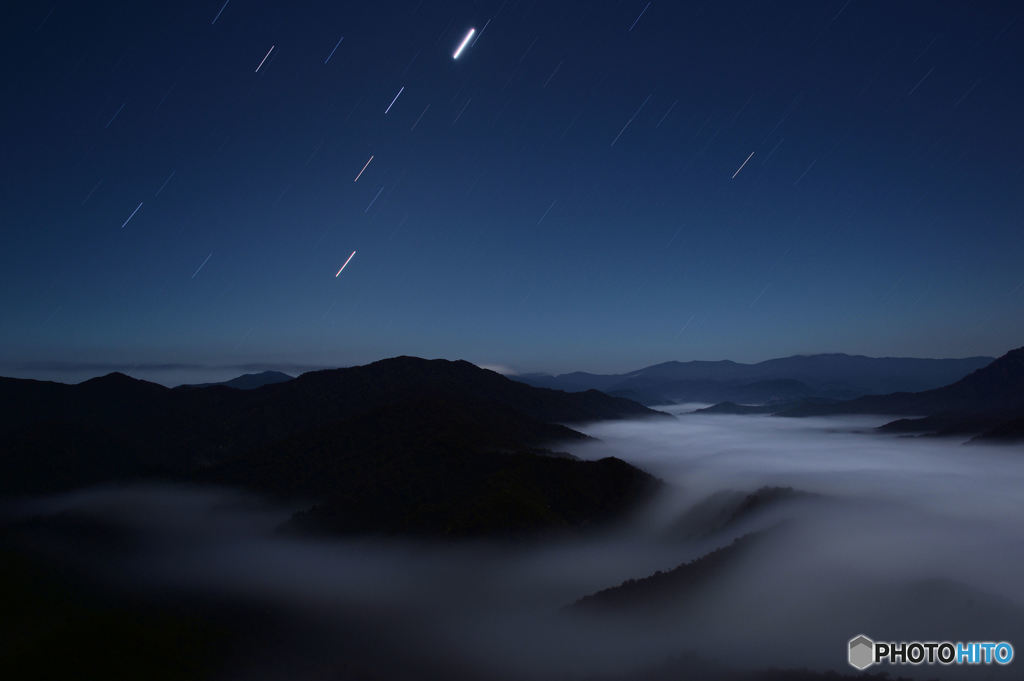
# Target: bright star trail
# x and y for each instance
(265, 58)
(345, 264)
(132, 215)
(462, 45)
(364, 168)
(741, 166)
(394, 100)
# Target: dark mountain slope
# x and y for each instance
(182, 428)
(403, 445)
(26, 401)
(385, 381)
(1005, 432)
(994, 389)
(450, 468)
(415, 429)
(663, 591)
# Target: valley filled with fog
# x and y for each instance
(857, 532)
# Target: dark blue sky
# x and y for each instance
(559, 198)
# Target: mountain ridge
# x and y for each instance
(987, 403)
(828, 375)
(400, 446)
(996, 387)
(249, 381)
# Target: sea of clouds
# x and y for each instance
(903, 538)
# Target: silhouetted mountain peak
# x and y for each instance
(402, 371)
(246, 381)
(116, 380)
(391, 380)
(113, 378)
(409, 363)
(268, 374)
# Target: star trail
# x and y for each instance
(196, 169)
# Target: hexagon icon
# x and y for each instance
(861, 652)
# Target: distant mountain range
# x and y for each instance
(247, 381)
(833, 376)
(403, 445)
(433, 447)
(989, 402)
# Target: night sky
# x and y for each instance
(563, 196)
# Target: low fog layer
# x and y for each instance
(902, 538)
(915, 538)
